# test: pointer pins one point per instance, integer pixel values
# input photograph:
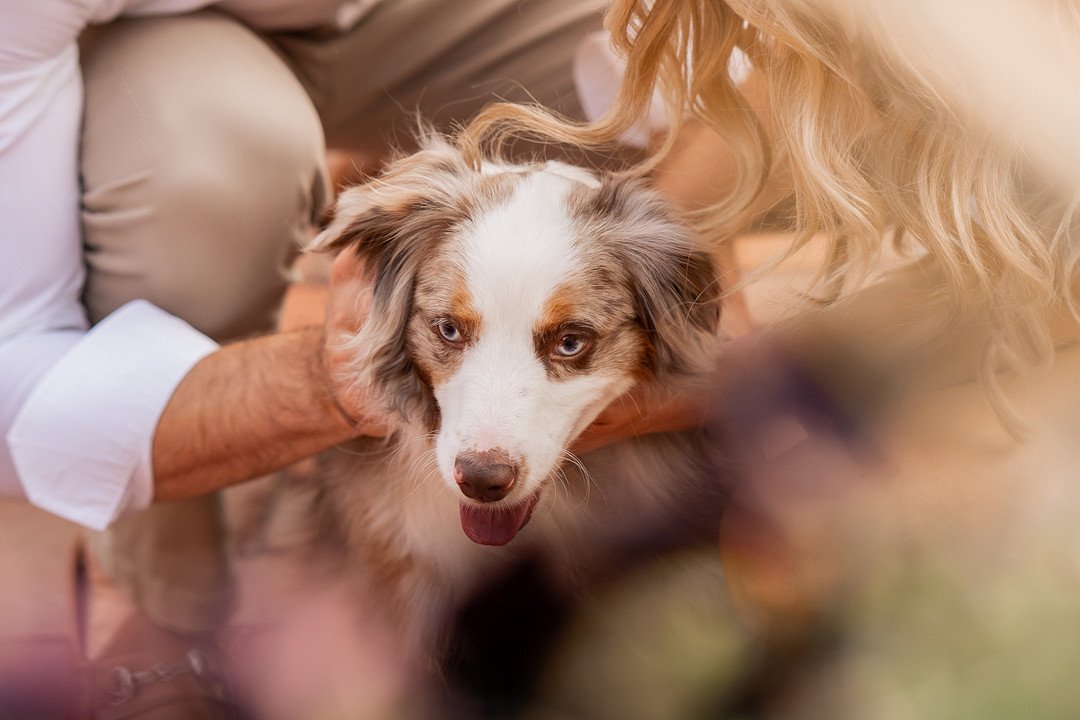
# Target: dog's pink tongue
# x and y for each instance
(494, 526)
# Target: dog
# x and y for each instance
(511, 304)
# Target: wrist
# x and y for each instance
(324, 387)
(352, 422)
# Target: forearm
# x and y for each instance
(245, 410)
(639, 413)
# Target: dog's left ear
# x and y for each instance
(392, 224)
(675, 283)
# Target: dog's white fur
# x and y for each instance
(509, 261)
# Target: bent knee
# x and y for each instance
(199, 184)
(210, 243)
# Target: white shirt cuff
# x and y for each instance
(81, 442)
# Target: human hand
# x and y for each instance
(347, 308)
(640, 412)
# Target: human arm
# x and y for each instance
(258, 405)
(249, 408)
(41, 270)
(635, 413)
(240, 411)
(78, 406)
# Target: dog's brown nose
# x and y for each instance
(485, 476)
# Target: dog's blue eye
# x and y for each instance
(449, 331)
(571, 345)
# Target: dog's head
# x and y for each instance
(511, 305)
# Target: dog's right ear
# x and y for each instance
(434, 178)
(674, 281)
(393, 223)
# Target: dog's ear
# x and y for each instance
(675, 283)
(393, 223)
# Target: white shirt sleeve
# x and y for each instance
(81, 441)
(77, 410)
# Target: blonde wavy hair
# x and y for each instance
(882, 137)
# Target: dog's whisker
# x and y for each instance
(638, 412)
(563, 478)
(421, 480)
(560, 480)
(419, 465)
(406, 445)
(586, 476)
(426, 457)
(428, 468)
(557, 477)
(411, 472)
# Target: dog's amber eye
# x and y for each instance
(571, 345)
(449, 332)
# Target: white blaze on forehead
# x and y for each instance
(515, 257)
(520, 251)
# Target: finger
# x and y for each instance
(351, 289)
(346, 264)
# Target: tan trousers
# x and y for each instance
(203, 166)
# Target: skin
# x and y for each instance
(631, 415)
(256, 406)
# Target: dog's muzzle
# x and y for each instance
(486, 477)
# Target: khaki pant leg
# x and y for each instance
(203, 166)
(442, 59)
